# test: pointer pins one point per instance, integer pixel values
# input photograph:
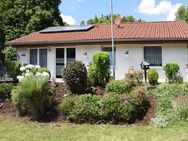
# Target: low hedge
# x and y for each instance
(112, 108)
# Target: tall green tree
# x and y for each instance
(21, 17)
(107, 19)
(182, 13)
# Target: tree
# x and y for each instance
(21, 17)
(182, 13)
(107, 19)
(128, 19)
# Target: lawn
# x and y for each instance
(33, 131)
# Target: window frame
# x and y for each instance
(153, 46)
(65, 58)
(38, 56)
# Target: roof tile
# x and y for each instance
(137, 30)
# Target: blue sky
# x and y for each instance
(75, 11)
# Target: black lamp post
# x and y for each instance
(145, 66)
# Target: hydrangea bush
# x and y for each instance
(33, 95)
(32, 70)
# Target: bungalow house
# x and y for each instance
(155, 42)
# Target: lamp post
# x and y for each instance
(112, 34)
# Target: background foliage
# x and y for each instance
(21, 17)
(182, 13)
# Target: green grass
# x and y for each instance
(32, 131)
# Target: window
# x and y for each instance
(63, 57)
(70, 55)
(33, 56)
(109, 50)
(43, 57)
(153, 55)
(60, 61)
(38, 57)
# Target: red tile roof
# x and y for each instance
(138, 31)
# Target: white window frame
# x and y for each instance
(38, 57)
(65, 57)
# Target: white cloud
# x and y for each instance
(68, 19)
(164, 7)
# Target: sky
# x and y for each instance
(75, 11)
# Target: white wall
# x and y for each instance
(23, 55)
(90, 50)
(176, 53)
(170, 53)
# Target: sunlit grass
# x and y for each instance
(33, 131)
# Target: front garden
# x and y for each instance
(90, 104)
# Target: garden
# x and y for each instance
(91, 105)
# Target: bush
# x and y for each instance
(13, 69)
(41, 70)
(99, 69)
(172, 102)
(172, 73)
(119, 109)
(81, 109)
(112, 108)
(33, 94)
(152, 76)
(170, 90)
(118, 86)
(12, 64)
(75, 76)
(5, 90)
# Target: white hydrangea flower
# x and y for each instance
(38, 74)
(22, 69)
(27, 71)
(27, 74)
(29, 66)
(20, 78)
(46, 74)
(37, 67)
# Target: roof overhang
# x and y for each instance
(96, 41)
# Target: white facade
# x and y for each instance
(175, 52)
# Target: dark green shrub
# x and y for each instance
(41, 70)
(10, 54)
(75, 76)
(99, 69)
(153, 76)
(123, 108)
(172, 73)
(5, 90)
(33, 94)
(112, 108)
(118, 86)
(81, 109)
(13, 69)
(12, 63)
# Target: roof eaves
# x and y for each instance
(95, 41)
